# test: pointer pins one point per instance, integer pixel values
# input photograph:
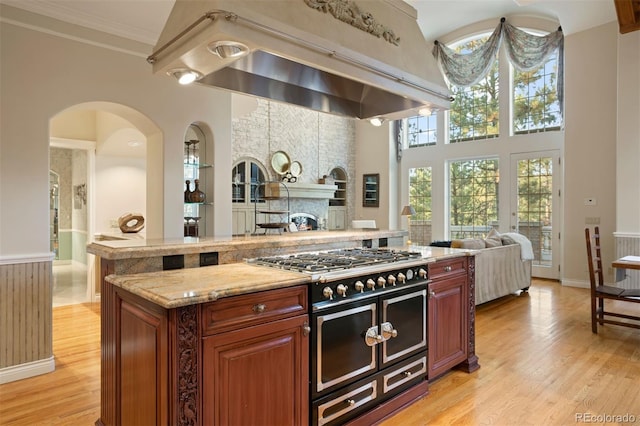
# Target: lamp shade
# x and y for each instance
(408, 211)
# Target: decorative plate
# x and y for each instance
(280, 162)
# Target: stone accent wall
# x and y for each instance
(319, 141)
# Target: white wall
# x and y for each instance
(590, 145)
(121, 188)
(42, 75)
(45, 73)
(628, 137)
(373, 156)
(79, 207)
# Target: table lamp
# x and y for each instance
(408, 211)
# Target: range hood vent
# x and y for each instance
(290, 51)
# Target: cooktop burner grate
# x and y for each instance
(336, 259)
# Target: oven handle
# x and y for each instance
(371, 337)
(388, 331)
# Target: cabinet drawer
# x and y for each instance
(445, 268)
(250, 309)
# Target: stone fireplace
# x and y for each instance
(306, 221)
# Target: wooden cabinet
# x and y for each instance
(242, 220)
(256, 359)
(257, 375)
(451, 339)
(238, 360)
(337, 218)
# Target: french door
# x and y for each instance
(536, 207)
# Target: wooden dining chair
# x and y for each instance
(600, 291)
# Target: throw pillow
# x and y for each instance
(493, 239)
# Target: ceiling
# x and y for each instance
(143, 20)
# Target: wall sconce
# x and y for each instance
(376, 121)
(408, 211)
(185, 75)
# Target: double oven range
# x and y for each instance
(368, 327)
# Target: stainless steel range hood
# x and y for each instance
(356, 58)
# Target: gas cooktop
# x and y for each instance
(335, 260)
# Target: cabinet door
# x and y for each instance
(447, 324)
(337, 218)
(257, 375)
(242, 221)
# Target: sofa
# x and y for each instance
(503, 264)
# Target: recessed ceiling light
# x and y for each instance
(185, 75)
(228, 49)
(376, 121)
(134, 144)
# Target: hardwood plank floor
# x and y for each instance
(540, 364)
(71, 394)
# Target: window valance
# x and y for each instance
(525, 52)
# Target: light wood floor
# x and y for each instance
(71, 394)
(540, 365)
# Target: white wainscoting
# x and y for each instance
(628, 244)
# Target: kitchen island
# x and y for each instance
(229, 343)
(131, 253)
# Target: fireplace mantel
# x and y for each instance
(302, 190)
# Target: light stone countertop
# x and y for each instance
(139, 248)
(182, 287)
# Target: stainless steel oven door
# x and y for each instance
(403, 323)
(341, 353)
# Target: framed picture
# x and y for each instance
(370, 190)
(79, 196)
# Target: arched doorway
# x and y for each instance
(102, 149)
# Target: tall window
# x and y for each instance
(420, 200)
(473, 197)
(421, 130)
(535, 99)
(474, 111)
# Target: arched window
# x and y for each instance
(474, 111)
(536, 104)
